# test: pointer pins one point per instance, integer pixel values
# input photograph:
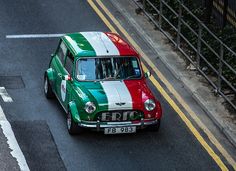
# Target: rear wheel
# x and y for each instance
(72, 126)
(47, 88)
(155, 127)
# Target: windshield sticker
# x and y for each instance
(81, 77)
(137, 72)
(135, 64)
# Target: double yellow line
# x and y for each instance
(188, 123)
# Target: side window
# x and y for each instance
(69, 63)
(61, 52)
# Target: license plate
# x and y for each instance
(120, 130)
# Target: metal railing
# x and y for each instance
(195, 51)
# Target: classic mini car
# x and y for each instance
(99, 81)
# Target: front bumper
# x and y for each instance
(101, 125)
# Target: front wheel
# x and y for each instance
(47, 88)
(72, 126)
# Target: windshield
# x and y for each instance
(108, 68)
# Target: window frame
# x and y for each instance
(138, 60)
(72, 62)
(58, 48)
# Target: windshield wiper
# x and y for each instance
(108, 78)
(131, 76)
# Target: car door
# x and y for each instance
(59, 69)
(68, 85)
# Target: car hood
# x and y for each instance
(118, 95)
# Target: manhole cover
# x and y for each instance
(11, 82)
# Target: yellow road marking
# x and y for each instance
(173, 91)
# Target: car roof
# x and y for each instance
(92, 44)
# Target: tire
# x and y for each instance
(72, 126)
(47, 88)
(155, 128)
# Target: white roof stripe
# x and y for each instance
(73, 43)
(102, 45)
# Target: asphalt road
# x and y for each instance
(40, 124)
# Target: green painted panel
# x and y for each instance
(79, 45)
(74, 111)
(50, 74)
(96, 93)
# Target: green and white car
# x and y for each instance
(99, 81)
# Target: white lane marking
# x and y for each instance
(2, 115)
(12, 142)
(5, 96)
(101, 43)
(117, 92)
(27, 36)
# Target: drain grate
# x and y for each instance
(11, 82)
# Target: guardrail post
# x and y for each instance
(220, 67)
(144, 5)
(179, 24)
(160, 14)
(199, 44)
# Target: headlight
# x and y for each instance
(89, 107)
(149, 105)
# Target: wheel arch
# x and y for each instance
(50, 74)
(74, 111)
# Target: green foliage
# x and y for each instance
(226, 34)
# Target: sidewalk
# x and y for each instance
(197, 86)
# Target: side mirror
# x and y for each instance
(67, 77)
(147, 74)
(52, 55)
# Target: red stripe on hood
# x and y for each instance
(124, 48)
(140, 92)
(136, 93)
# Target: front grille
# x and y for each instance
(114, 116)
